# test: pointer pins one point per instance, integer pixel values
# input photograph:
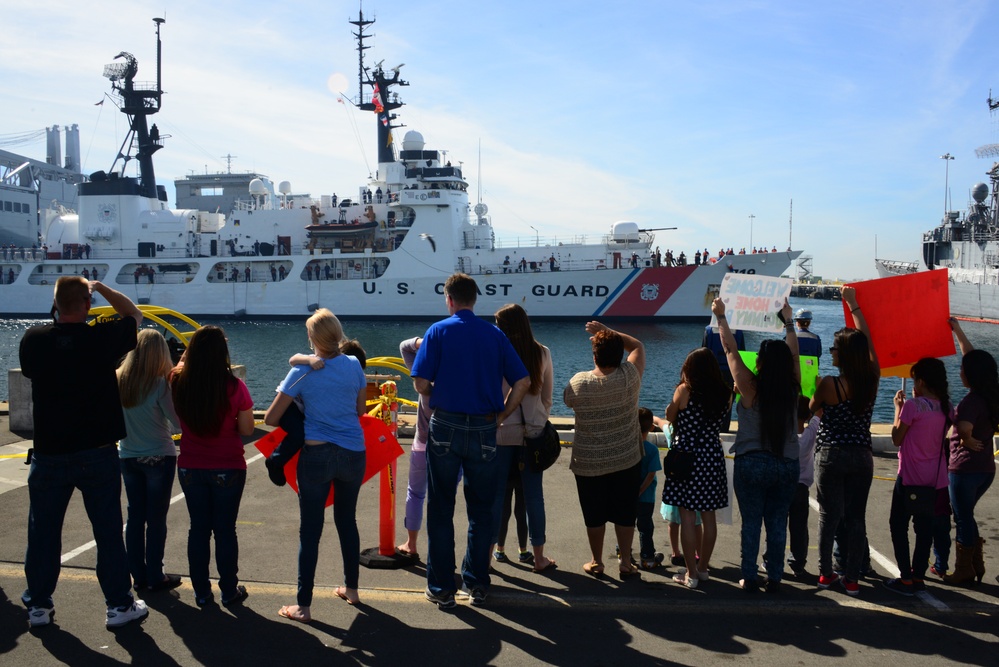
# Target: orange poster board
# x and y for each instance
(907, 316)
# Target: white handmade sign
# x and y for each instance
(752, 302)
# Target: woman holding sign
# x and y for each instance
(844, 465)
(766, 445)
(972, 465)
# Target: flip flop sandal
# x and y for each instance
(284, 613)
(341, 593)
(412, 555)
(593, 569)
(552, 565)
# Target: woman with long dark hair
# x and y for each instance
(972, 467)
(215, 410)
(766, 445)
(333, 455)
(918, 431)
(698, 411)
(148, 457)
(844, 464)
(528, 420)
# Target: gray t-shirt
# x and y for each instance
(150, 424)
(749, 436)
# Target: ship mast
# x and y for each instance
(383, 101)
(138, 101)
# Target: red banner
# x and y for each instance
(907, 316)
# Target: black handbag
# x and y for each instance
(678, 464)
(542, 451)
(920, 501)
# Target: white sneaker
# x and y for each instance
(38, 616)
(119, 616)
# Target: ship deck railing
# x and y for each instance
(567, 243)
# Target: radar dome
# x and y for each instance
(257, 187)
(481, 209)
(284, 187)
(413, 141)
(980, 192)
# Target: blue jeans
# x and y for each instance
(534, 494)
(764, 486)
(147, 486)
(842, 483)
(319, 467)
(460, 443)
(213, 498)
(646, 530)
(966, 488)
(51, 481)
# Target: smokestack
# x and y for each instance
(73, 148)
(53, 146)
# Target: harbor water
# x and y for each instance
(265, 346)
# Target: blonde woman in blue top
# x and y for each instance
(148, 457)
(333, 455)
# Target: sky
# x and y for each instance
(694, 115)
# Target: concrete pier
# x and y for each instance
(560, 617)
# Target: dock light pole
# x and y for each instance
(948, 157)
(537, 237)
(751, 218)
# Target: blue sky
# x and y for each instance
(673, 114)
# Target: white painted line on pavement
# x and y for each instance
(892, 569)
(83, 548)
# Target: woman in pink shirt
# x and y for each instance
(918, 431)
(215, 410)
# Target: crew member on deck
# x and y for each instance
(809, 344)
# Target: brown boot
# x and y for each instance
(964, 571)
(978, 559)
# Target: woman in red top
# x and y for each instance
(215, 410)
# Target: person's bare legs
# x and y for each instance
(688, 540)
(595, 536)
(625, 536)
(674, 539)
(709, 534)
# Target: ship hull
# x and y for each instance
(203, 287)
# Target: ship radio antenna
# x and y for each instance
(790, 223)
(479, 177)
(383, 100)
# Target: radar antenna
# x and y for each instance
(989, 150)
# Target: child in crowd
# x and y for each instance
(797, 518)
(647, 494)
(293, 419)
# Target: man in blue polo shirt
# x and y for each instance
(461, 366)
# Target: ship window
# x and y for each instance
(17, 207)
(25, 208)
(8, 206)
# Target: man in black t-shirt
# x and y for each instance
(78, 420)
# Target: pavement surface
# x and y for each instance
(561, 618)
